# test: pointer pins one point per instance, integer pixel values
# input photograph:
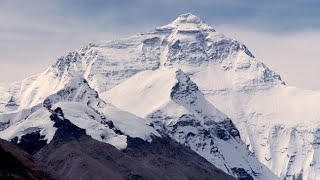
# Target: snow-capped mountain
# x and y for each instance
(213, 135)
(220, 87)
(187, 42)
(175, 106)
(83, 107)
(74, 131)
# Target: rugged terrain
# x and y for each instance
(183, 81)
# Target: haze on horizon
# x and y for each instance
(284, 35)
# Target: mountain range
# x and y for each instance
(182, 101)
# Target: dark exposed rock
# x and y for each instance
(17, 164)
(231, 128)
(31, 142)
(163, 158)
(47, 104)
(222, 134)
(65, 128)
(171, 160)
(111, 126)
(34, 141)
(86, 158)
(241, 174)
(298, 176)
(11, 102)
(4, 125)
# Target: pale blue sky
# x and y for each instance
(283, 34)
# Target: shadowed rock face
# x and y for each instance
(78, 156)
(31, 143)
(74, 155)
(171, 160)
(65, 129)
(17, 164)
(87, 158)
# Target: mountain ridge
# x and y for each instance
(187, 117)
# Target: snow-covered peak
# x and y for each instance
(187, 18)
(141, 72)
(82, 106)
(188, 22)
(187, 43)
(174, 105)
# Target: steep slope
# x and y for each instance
(17, 164)
(174, 106)
(34, 90)
(280, 125)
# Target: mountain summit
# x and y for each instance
(183, 81)
(187, 18)
(188, 22)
